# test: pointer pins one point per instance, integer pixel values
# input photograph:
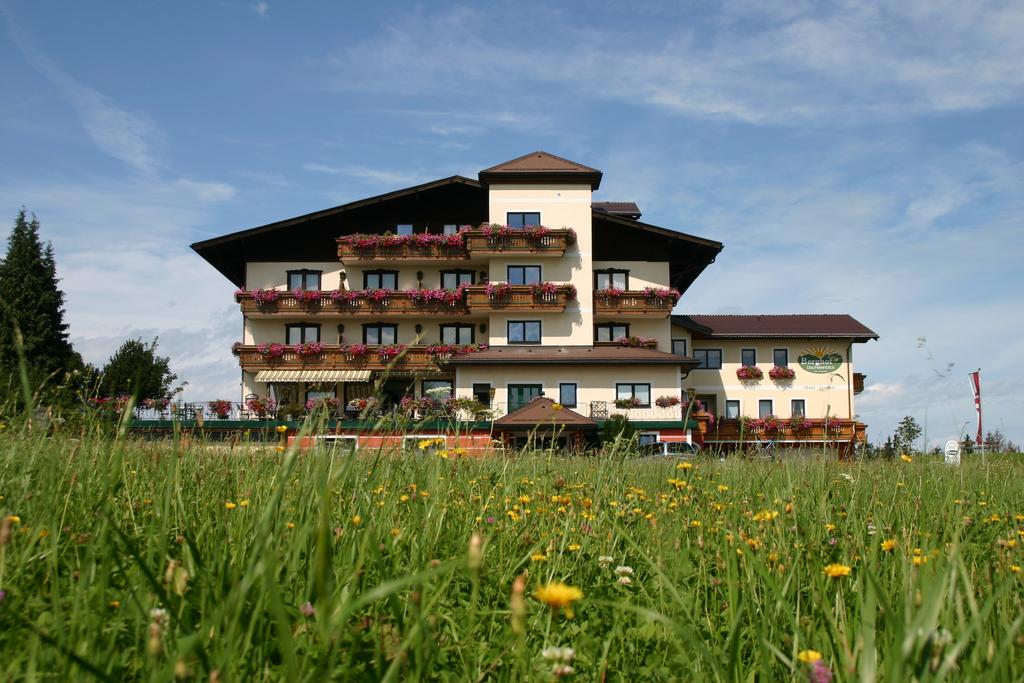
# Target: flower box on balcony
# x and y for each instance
(637, 342)
(386, 246)
(650, 301)
(781, 373)
(505, 239)
(749, 373)
(627, 403)
(542, 296)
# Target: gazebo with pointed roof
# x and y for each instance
(542, 414)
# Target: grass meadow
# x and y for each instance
(129, 560)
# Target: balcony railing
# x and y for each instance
(518, 297)
(818, 430)
(480, 242)
(632, 303)
(393, 303)
(473, 243)
(339, 357)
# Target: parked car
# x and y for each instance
(669, 449)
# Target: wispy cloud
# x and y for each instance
(126, 136)
(781, 66)
(374, 175)
(260, 8)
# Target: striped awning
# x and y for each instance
(313, 376)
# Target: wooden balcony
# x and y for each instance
(728, 431)
(632, 304)
(414, 359)
(397, 303)
(518, 298)
(407, 253)
(553, 243)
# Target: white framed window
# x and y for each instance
(524, 332)
(679, 347)
(764, 408)
(523, 275)
(781, 357)
(798, 407)
(609, 332)
(748, 356)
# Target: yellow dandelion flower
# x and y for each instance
(1015, 568)
(229, 505)
(906, 458)
(888, 545)
(281, 429)
(836, 570)
(558, 595)
(290, 525)
(722, 488)
(809, 656)
(919, 560)
(279, 449)
(403, 498)
(684, 466)
(356, 520)
(573, 547)
(243, 503)
(538, 557)
(114, 604)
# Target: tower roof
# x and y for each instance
(540, 166)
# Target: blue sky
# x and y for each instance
(853, 157)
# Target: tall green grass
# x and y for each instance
(319, 565)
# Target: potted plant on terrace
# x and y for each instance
(667, 401)
(662, 296)
(220, 407)
(266, 297)
(308, 350)
(260, 407)
(353, 352)
(308, 297)
(497, 291)
(637, 342)
(609, 293)
(799, 423)
(627, 403)
(749, 373)
(780, 372)
(271, 351)
(390, 351)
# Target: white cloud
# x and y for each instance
(126, 136)
(840, 60)
(261, 8)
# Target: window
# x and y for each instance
(748, 356)
(523, 275)
(521, 219)
(679, 347)
(732, 409)
(797, 408)
(450, 228)
(301, 333)
(781, 358)
(709, 402)
(641, 392)
(380, 279)
(457, 334)
(524, 332)
(304, 279)
(567, 394)
(380, 333)
(404, 228)
(764, 408)
(710, 359)
(610, 277)
(451, 279)
(521, 394)
(482, 393)
(437, 388)
(609, 332)
(646, 438)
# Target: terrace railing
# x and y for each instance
(394, 303)
(632, 303)
(551, 243)
(518, 297)
(339, 357)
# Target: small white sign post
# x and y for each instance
(952, 452)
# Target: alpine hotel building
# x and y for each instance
(518, 290)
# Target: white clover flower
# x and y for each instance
(560, 670)
(623, 570)
(625, 580)
(605, 561)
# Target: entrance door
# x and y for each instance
(521, 394)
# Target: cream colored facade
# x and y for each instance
(822, 393)
(561, 203)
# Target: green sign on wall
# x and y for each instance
(820, 361)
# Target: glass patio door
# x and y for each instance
(521, 394)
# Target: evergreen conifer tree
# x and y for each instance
(31, 302)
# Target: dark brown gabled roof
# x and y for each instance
(572, 355)
(814, 325)
(541, 411)
(540, 166)
(625, 209)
